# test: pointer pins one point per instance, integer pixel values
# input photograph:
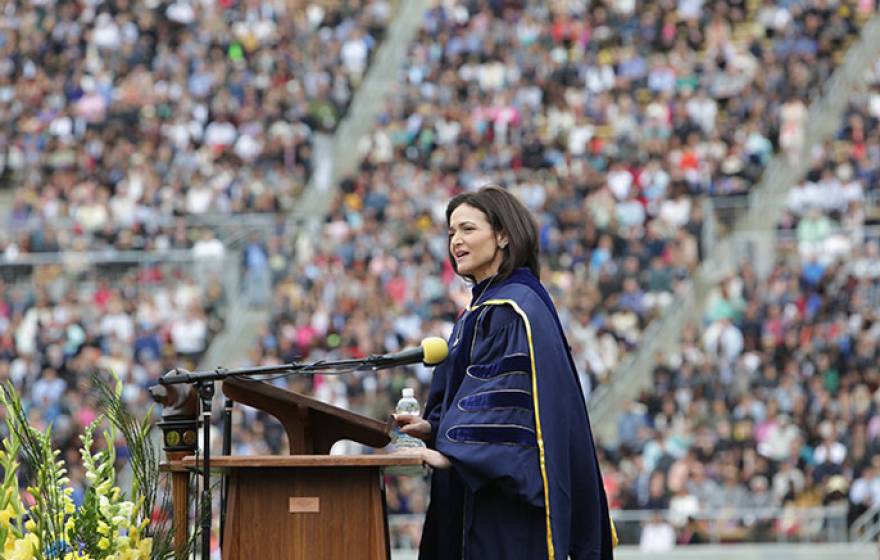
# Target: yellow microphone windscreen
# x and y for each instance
(435, 350)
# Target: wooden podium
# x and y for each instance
(307, 505)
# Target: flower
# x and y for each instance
(108, 525)
(24, 548)
(6, 515)
(145, 548)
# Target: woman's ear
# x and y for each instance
(501, 239)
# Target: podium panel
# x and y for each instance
(302, 513)
(306, 507)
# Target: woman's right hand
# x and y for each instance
(415, 426)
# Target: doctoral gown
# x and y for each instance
(507, 408)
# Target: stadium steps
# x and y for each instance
(751, 239)
(369, 99)
(335, 155)
(7, 197)
(232, 347)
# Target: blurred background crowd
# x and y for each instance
(153, 127)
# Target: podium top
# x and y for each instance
(312, 426)
(283, 461)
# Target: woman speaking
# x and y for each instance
(516, 469)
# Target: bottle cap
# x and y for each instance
(407, 392)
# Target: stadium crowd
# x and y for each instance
(122, 121)
(775, 401)
(833, 211)
(612, 121)
(56, 334)
(120, 117)
(612, 124)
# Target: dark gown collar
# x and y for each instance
(477, 290)
(523, 275)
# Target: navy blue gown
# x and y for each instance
(506, 407)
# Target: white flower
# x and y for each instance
(104, 506)
(126, 509)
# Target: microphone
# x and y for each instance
(430, 352)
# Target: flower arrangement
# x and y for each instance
(109, 524)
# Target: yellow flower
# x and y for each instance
(146, 548)
(103, 544)
(30, 525)
(25, 548)
(103, 528)
(6, 515)
(130, 554)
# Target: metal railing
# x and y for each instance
(746, 525)
(767, 524)
(231, 229)
(147, 268)
(866, 527)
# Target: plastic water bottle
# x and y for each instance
(410, 406)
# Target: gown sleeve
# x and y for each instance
(488, 432)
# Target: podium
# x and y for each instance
(305, 505)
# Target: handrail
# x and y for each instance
(866, 527)
(108, 256)
(830, 521)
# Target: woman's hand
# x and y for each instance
(430, 457)
(415, 426)
(434, 458)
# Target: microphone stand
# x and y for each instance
(227, 450)
(205, 390)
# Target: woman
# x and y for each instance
(516, 470)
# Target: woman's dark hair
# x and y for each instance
(506, 214)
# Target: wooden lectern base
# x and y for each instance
(306, 507)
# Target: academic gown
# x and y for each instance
(507, 408)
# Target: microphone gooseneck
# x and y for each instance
(430, 352)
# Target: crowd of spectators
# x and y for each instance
(120, 117)
(774, 402)
(832, 211)
(55, 334)
(611, 121)
(123, 121)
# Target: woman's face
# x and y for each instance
(474, 246)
